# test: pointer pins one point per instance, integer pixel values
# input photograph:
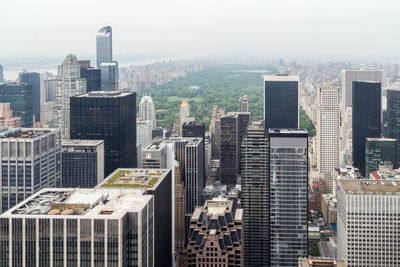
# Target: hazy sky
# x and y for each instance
(334, 28)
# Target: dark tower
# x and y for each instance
(32, 79)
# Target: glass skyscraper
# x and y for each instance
(33, 79)
(281, 105)
(104, 45)
(20, 98)
(288, 199)
(366, 118)
(377, 151)
(393, 117)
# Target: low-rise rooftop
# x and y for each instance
(321, 262)
(108, 94)
(78, 142)
(370, 187)
(23, 133)
(281, 78)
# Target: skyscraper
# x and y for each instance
(328, 133)
(104, 45)
(20, 98)
(38, 166)
(80, 227)
(6, 117)
(281, 107)
(147, 110)
(32, 79)
(288, 199)
(179, 203)
(378, 151)
(368, 212)
(215, 131)
(366, 118)
(143, 132)
(255, 196)
(393, 117)
(183, 116)
(1, 74)
(93, 78)
(70, 84)
(108, 116)
(348, 76)
(82, 163)
(243, 104)
(229, 149)
(109, 76)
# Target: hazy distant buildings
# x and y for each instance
(366, 118)
(104, 45)
(32, 79)
(243, 104)
(216, 234)
(328, 133)
(82, 163)
(255, 196)
(20, 98)
(367, 215)
(348, 76)
(31, 160)
(108, 116)
(147, 110)
(288, 199)
(281, 105)
(6, 117)
(70, 84)
(80, 227)
(379, 151)
(1, 74)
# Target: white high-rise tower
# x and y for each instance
(147, 110)
(70, 84)
(328, 133)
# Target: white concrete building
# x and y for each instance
(328, 133)
(147, 110)
(368, 218)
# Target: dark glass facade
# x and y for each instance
(366, 118)
(108, 118)
(255, 197)
(281, 109)
(21, 101)
(93, 78)
(377, 151)
(32, 79)
(229, 149)
(393, 117)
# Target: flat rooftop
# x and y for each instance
(134, 178)
(67, 202)
(321, 262)
(287, 131)
(281, 78)
(78, 142)
(191, 141)
(23, 133)
(155, 144)
(381, 139)
(370, 187)
(108, 94)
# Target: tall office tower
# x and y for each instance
(229, 149)
(179, 208)
(109, 76)
(328, 133)
(143, 132)
(82, 163)
(366, 118)
(104, 45)
(255, 196)
(215, 131)
(93, 78)
(368, 212)
(281, 104)
(243, 119)
(393, 118)
(31, 160)
(6, 117)
(32, 79)
(79, 227)
(20, 98)
(147, 110)
(50, 89)
(288, 199)
(183, 116)
(349, 76)
(1, 74)
(155, 154)
(216, 234)
(243, 104)
(108, 116)
(378, 151)
(158, 183)
(70, 84)
(196, 129)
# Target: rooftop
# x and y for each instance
(78, 142)
(96, 203)
(109, 94)
(321, 262)
(155, 144)
(134, 178)
(281, 78)
(370, 187)
(23, 133)
(381, 139)
(287, 131)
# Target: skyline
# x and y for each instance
(307, 28)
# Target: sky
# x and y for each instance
(275, 28)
